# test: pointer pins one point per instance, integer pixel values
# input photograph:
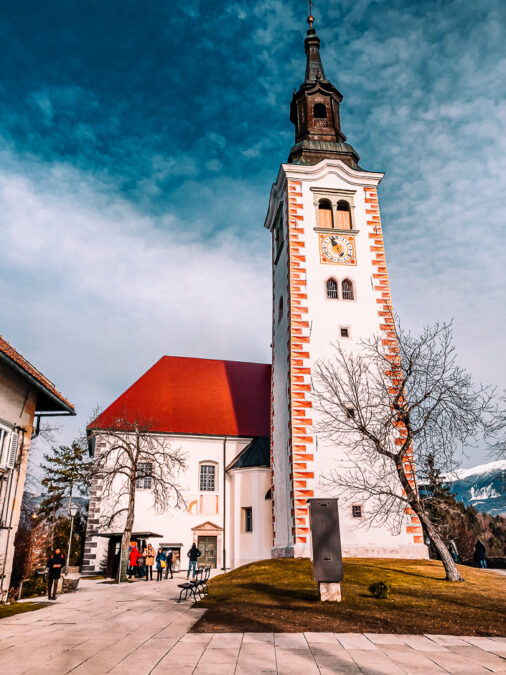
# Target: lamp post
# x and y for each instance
(73, 512)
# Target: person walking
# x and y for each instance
(193, 554)
(149, 561)
(161, 563)
(454, 552)
(170, 560)
(132, 561)
(54, 565)
(480, 554)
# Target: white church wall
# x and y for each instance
(280, 420)
(249, 488)
(179, 526)
(322, 319)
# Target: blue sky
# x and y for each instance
(139, 141)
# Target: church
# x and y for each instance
(248, 429)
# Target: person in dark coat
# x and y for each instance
(194, 554)
(170, 560)
(480, 554)
(54, 565)
(161, 562)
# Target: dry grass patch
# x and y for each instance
(19, 608)
(281, 596)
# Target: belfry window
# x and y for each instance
(325, 214)
(280, 309)
(320, 111)
(343, 215)
(332, 289)
(347, 288)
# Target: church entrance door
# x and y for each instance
(208, 547)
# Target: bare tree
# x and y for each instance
(127, 453)
(402, 408)
(497, 431)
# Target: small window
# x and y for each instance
(356, 511)
(320, 111)
(325, 214)
(345, 332)
(268, 494)
(350, 412)
(347, 287)
(248, 519)
(343, 215)
(144, 479)
(207, 477)
(280, 309)
(332, 289)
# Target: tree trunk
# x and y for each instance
(127, 534)
(452, 573)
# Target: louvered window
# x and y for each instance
(325, 214)
(9, 441)
(343, 216)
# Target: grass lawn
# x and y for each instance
(281, 596)
(19, 608)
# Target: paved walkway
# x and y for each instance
(139, 629)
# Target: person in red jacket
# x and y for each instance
(132, 561)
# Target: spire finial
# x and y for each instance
(310, 18)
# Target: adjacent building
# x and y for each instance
(26, 395)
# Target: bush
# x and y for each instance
(34, 586)
(380, 590)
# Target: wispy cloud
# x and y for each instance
(136, 162)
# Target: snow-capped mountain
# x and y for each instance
(483, 487)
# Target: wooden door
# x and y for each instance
(209, 549)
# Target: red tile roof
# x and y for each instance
(197, 396)
(49, 398)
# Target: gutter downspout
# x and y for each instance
(224, 566)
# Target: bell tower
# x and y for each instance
(315, 113)
(330, 283)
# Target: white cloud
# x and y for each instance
(99, 292)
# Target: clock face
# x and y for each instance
(337, 249)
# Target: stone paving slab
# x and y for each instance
(139, 629)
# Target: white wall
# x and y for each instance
(175, 526)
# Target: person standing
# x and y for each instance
(54, 565)
(149, 561)
(132, 561)
(161, 563)
(170, 560)
(140, 566)
(193, 554)
(480, 554)
(454, 552)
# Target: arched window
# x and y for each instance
(320, 111)
(280, 309)
(332, 289)
(325, 213)
(347, 287)
(207, 477)
(343, 215)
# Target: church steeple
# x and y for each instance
(315, 113)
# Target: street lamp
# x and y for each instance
(73, 512)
